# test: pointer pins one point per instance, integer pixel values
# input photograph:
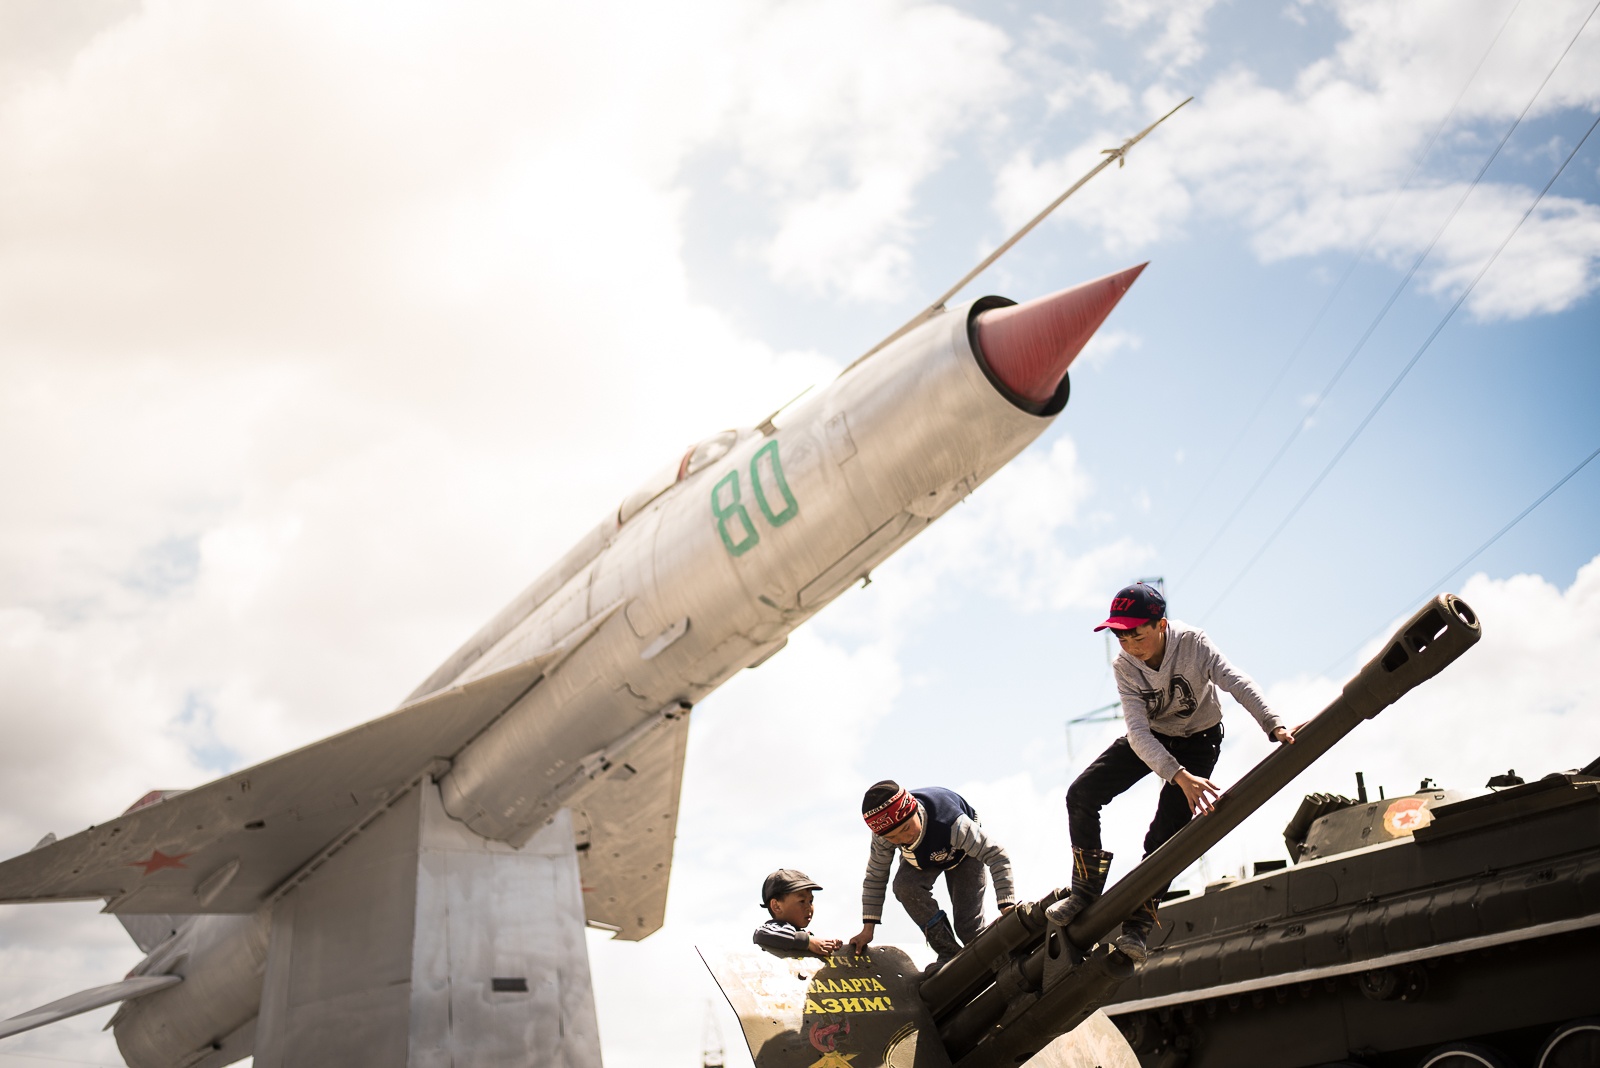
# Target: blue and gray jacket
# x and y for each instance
(950, 833)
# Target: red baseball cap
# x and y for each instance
(1134, 606)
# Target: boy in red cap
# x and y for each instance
(787, 895)
(1168, 675)
(937, 833)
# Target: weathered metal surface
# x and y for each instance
(220, 959)
(425, 946)
(865, 1012)
(802, 1012)
(1033, 1018)
(963, 978)
(1358, 825)
(1095, 1043)
(624, 829)
(1483, 919)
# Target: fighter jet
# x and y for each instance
(414, 891)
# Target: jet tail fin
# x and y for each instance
(85, 1001)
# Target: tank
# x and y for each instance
(1430, 930)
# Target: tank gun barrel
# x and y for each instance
(1016, 986)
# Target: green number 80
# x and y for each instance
(728, 505)
(733, 509)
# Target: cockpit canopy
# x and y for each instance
(697, 458)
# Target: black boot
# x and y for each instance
(1136, 930)
(941, 938)
(1089, 870)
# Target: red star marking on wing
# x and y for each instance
(1407, 818)
(159, 860)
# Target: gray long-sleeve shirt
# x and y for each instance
(1180, 697)
(965, 835)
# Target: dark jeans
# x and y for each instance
(1119, 767)
(965, 882)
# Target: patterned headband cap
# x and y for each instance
(892, 813)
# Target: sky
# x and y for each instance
(326, 327)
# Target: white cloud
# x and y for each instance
(1104, 345)
(1315, 167)
(1128, 207)
(1026, 537)
(1180, 23)
(1551, 264)
(299, 324)
(847, 108)
(1058, 57)
(1548, 266)
(1099, 88)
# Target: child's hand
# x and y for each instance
(1283, 734)
(1200, 793)
(824, 947)
(860, 942)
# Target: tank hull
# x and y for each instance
(1483, 924)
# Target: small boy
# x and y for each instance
(936, 832)
(1167, 676)
(787, 899)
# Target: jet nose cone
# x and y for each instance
(1028, 347)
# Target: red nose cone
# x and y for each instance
(1029, 346)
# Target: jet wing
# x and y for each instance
(226, 846)
(624, 827)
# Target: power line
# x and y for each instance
(1315, 483)
(1479, 551)
(1448, 575)
(1383, 312)
(1316, 321)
